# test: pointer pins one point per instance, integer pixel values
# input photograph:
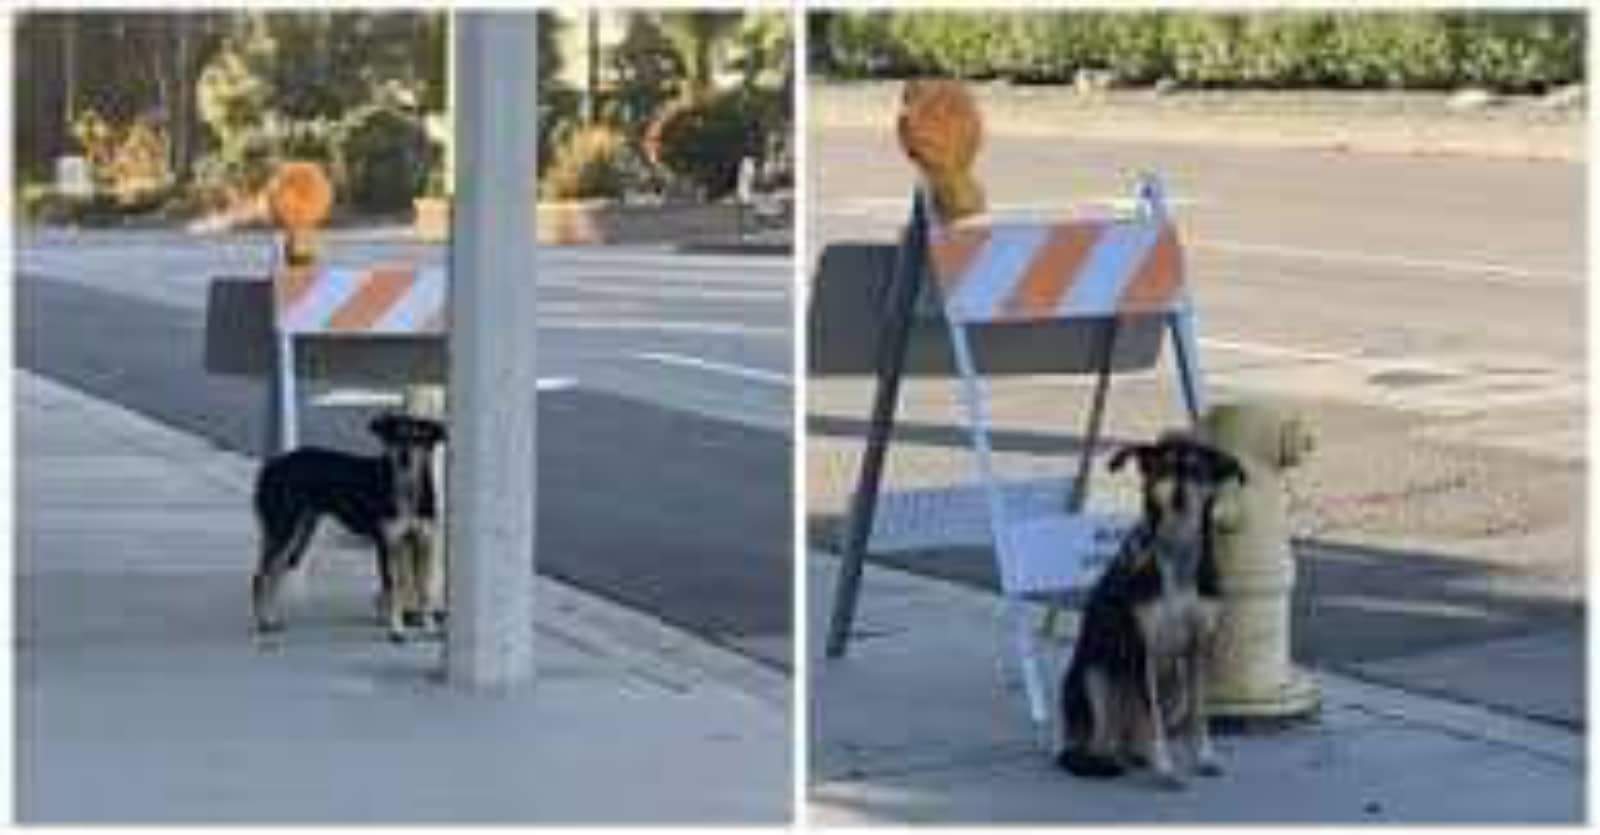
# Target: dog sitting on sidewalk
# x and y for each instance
(388, 499)
(1138, 671)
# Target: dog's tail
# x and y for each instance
(1084, 764)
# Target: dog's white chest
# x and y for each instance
(1178, 618)
(1173, 621)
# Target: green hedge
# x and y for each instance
(1508, 51)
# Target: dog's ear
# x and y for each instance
(1224, 466)
(384, 426)
(1120, 457)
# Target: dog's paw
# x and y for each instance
(1169, 781)
(269, 627)
(398, 636)
(1209, 768)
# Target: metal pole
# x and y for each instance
(492, 376)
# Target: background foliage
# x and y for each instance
(1501, 50)
(191, 112)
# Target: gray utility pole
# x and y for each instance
(492, 377)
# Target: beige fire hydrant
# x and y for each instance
(1252, 674)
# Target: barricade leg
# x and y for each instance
(1026, 647)
(891, 365)
(1187, 355)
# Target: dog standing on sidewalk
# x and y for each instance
(1138, 671)
(388, 499)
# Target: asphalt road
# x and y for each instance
(665, 476)
(1427, 313)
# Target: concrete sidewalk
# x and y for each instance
(921, 723)
(143, 697)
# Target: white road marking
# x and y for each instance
(663, 258)
(757, 374)
(664, 291)
(1279, 351)
(595, 273)
(555, 383)
(1483, 270)
(358, 397)
(705, 328)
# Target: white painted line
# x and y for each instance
(356, 398)
(349, 398)
(671, 291)
(591, 274)
(1263, 349)
(658, 326)
(663, 258)
(756, 374)
(555, 383)
(1503, 273)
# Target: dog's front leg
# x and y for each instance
(428, 562)
(1198, 724)
(1160, 754)
(391, 553)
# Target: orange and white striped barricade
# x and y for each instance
(1105, 272)
(374, 302)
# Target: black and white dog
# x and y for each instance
(388, 499)
(1138, 673)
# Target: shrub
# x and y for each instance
(386, 156)
(559, 116)
(1518, 50)
(128, 161)
(1513, 51)
(702, 142)
(1202, 48)
(857, 44)
(962, 44)
(1281, 49)
(592, 163)
(1388, 49)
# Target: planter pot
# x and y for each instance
(431, 220)
(590, 222)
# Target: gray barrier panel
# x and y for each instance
(850, 303)
(239, 342)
